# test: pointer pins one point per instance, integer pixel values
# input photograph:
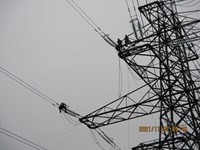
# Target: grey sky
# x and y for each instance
(48, 45)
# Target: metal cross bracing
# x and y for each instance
(164, 58)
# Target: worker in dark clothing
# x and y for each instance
(63, 107)
(127, 41)
(119, 44)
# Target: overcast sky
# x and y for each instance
(48, 45)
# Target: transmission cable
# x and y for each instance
(87, 15)
(81, 14)
(134, 8)
(28, 86)
(138, 5)
(130, 15)
(21, 139)
(92, 24)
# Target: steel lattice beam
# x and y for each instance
(166, 70)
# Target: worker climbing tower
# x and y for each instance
(165, 58)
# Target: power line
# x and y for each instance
(91, 23)
(83, 14)
(21, 139)
(130, 15)
(86, 15)
(76, 9)
(28, 86)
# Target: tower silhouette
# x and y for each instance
(165, 58)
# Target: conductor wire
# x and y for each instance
(81, 14)
(28, 86)
(21, 139)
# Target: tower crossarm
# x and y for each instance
(164, 58)
(121, 109)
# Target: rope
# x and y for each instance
(190, 2)
(129, 122)
(96, 141)
(105, 137)
(120, 80)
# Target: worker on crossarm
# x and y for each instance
(119, 44)
(63, 107)
(127, 41)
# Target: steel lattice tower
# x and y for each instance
(164, 59)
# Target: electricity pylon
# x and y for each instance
(164, 58)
